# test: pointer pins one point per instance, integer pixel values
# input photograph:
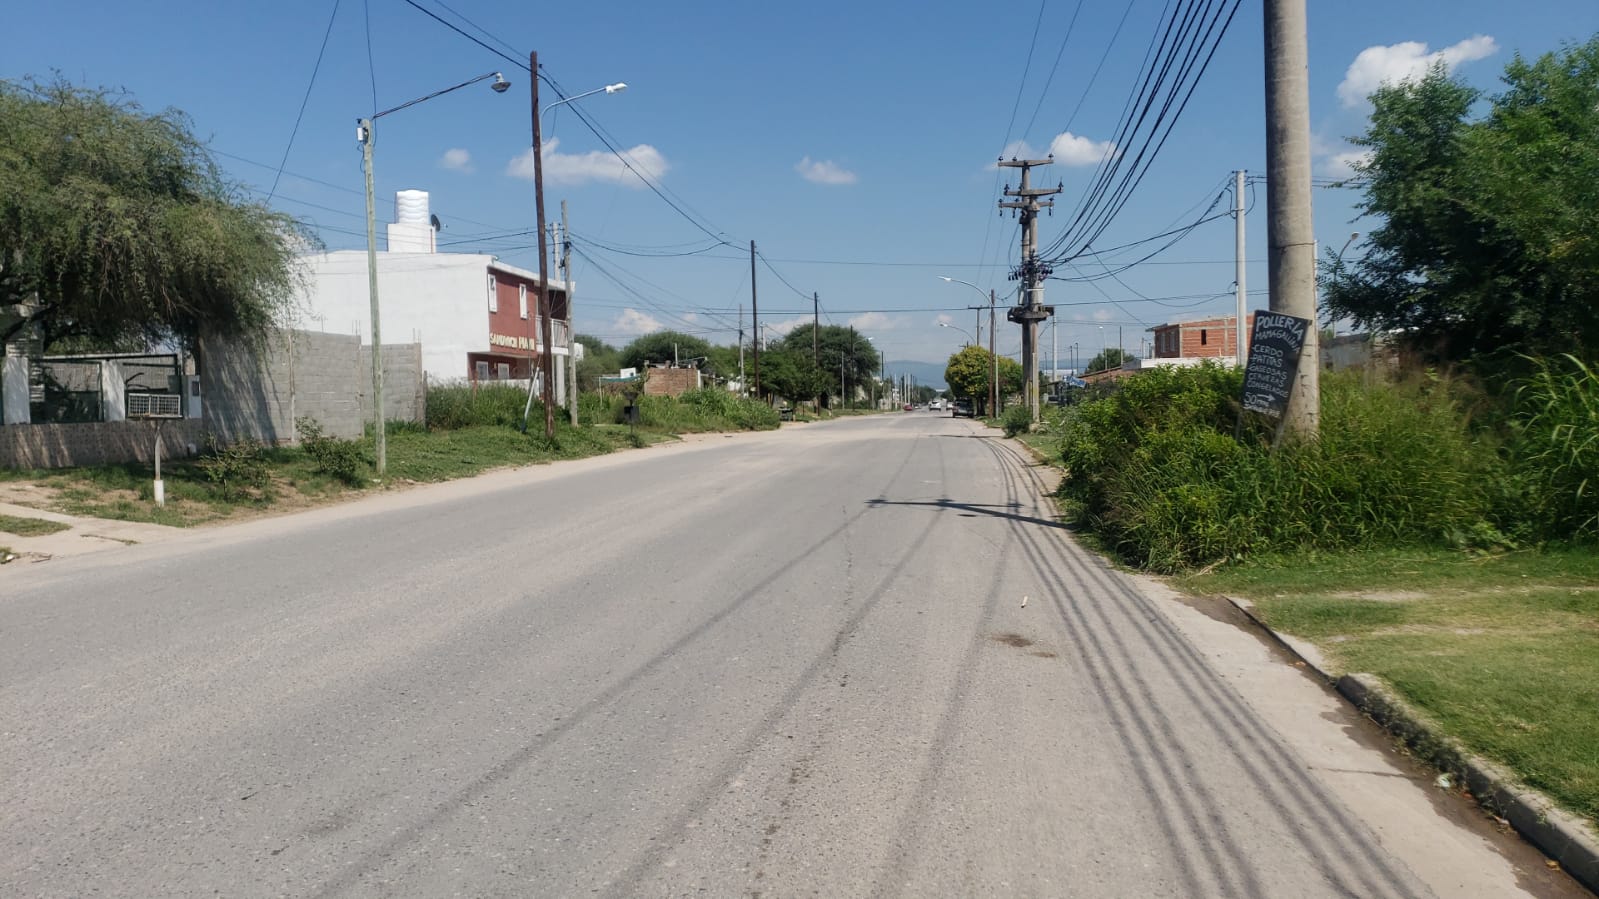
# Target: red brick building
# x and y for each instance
(1206, 338)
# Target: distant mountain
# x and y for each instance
(930, 374)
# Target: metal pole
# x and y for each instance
(816, 327)
(743, 388)
(1290, 233)
(546, 331)
(1238, 262)
(380, 439)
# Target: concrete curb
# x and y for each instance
(1559, 835)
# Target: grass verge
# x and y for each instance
(30, 527)
(1500, 651)
(294, 481)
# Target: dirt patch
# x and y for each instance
(1384, 595)
(27, 493)
(1016, 640)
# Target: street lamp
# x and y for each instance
(364, 133)
(954, 328)
(993, 381)
(547, 330)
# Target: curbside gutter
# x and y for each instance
(1561, 836)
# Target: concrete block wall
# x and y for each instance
(96, 443)
(258, 391)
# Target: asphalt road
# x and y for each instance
(783, 664)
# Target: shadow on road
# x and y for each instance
(974, 509)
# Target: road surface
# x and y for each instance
(852, 659)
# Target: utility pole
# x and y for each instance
(1031, 272)
(816, 328)
(743, 388)
(546, 330)
(1238, 261)
(380, 427)
(565, 252)
(755, 322)
(993, 360)
(1290, 233)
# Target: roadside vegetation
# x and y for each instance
(1441, 531)
(469, 432)
(18, 526)
(1501, 651)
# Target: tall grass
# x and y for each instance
(1554, 449)
(451, 407)
(1157, 471)
(706, 409)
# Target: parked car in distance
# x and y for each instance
(962, 408)
(936, 405)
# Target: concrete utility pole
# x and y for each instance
(743, 388)
(1031, 272)
(380, 440)
(816, 328)
(993, 360)
(1290, 233)
(1238, 262)
(561, 247)
(755, 322)
(546, 330)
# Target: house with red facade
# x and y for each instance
(476, 317)
(1214, 338)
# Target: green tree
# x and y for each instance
(838, 346)
(1489, 244)
(970, 369)
(663, 347)
(118, 228)
(791, 374)
(599, 358)
(1110, 357)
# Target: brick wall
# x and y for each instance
(95, 443)
(671, 381)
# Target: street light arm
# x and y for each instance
(979, 290)
(608, 89)
(497, 87)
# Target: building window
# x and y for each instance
(494, 296)
(521, 297)
(1203, 334)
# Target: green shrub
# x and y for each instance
(344, 460)
(706, 409)
(235, 468)
(451, 407)
(1554, 451)
(1157, 472)
(1017, 420)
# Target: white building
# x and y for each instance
(477, 318)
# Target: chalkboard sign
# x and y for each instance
(1274, 347)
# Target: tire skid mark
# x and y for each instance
(1258, 750)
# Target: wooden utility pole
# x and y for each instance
(993, 381)
(1290, 233)
(565, 257)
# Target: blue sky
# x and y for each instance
(895, 112)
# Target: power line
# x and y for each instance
(317, 67)
(1043, 94)
(371, 70)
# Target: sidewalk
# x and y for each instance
(84, 535)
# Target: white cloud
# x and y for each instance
(943, 319)
(785, 325)
(1405, 61)
(634, 322)
(872, 321)
(1067, 148)
(595, 165)
(1342, 165)
(824, 171)
(1103, 315)
(456, 159)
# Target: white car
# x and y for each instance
(935, 406)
